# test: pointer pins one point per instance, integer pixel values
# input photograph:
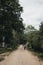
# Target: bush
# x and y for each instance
(35, 41)
(3, 50)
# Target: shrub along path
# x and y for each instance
(21, 57)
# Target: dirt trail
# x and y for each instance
(21, 57)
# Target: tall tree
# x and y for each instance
(41, 35)
(10, 19)
(41, 29)
(29, 28)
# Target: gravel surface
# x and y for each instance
(21, 57)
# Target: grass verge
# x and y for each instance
(4, 50)
(36, 53)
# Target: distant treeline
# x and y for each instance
(35, 38)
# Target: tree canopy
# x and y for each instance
(10, 19)
(35, 38)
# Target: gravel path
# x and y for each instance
(21, 57)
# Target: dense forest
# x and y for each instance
(13, 31)
(11, 26)
(35, 38)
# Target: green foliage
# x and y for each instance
(41, 35)
(41, 29)
(35, 39)
(4, 50)
(10, 19)
(29, 28)
(22, 39)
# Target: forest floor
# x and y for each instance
(21, 57)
